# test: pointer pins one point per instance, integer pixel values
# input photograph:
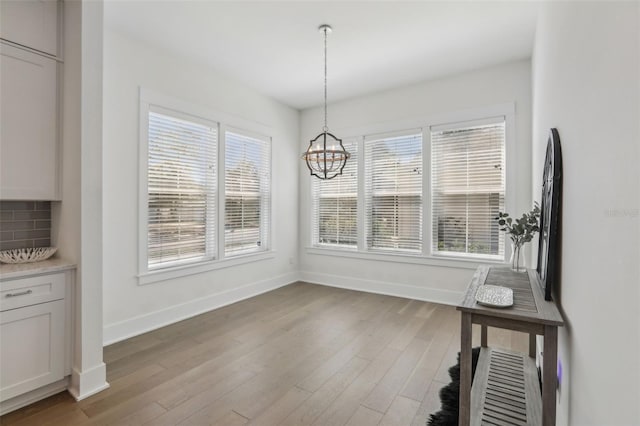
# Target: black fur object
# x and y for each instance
(449, 395)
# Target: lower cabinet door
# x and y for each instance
(31, 347)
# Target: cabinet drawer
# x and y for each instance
(32, 348)
(30, 291)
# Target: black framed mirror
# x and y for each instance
(550, 205)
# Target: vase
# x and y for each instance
(517, 258)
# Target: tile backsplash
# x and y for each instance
(25, 224)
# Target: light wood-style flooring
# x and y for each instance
(302, 354)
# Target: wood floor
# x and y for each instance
(302, 354)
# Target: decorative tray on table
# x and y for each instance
(494, 296)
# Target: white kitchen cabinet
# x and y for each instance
(28, 125)
(32, 348)
(30, 23)
(35, 337)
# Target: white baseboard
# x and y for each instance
(116, 332)
(426, 294)
(88, 382)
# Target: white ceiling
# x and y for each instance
(275, 47)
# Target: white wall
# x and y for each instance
(478, 89)
(586, 82)
(128, 307)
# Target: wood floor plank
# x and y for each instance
(429, 405)
(386, 390)
(418, 382)
(142, 416)
(231, 419)
(280, 409)
(301, 354)
(365, 417)
(347, 403)
(401, 412)
(311, 409)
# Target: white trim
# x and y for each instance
(179, 105)
(221, 195)
(468, 123)
(134, 326)
(417, 259)
(435, 295)
(143, 182)
(393, 134)
(150, 277)
(425, 121)
(427, 229)
(88, 382)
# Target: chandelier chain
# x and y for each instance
(325, 128)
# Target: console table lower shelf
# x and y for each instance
(505, 390)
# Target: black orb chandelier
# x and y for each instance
(326, 156)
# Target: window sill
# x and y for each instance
(198, 268)
(416, 259)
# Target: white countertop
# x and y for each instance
(20, 270)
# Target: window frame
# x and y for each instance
(148, 100)
(426, 257)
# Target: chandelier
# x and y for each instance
(326, 156)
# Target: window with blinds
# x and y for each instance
(468, 188)
(393, 192)
(335, 205)
(247, 193)
(181, 182)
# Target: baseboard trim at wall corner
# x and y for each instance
(126, 329)
(427, 294)
(88, 382)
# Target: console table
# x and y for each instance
(505, 388)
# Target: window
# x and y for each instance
(335, 204)
(393, 192)
(181, 189)
(205, 189)
(429, 193)
(247, 193)
(468, 188)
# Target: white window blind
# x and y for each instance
(393, 192)
(335, 204)
(247, 193)
(181, 190)
(468, 188)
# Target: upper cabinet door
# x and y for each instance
(28, 125)
(30, 23)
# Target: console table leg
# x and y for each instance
(549, 375)
(532, 345)
(465, 370)
(483, 336)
